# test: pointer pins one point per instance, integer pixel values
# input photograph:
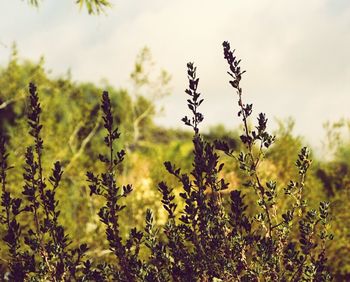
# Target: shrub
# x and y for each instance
(212, 238)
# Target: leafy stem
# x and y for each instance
(250, 137)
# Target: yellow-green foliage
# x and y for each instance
(73, 128)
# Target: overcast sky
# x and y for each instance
(296, 53)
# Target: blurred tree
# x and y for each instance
(219, 132)
(286, 145)
(334, 173)
(148, 85)
(93, 6)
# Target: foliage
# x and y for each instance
(207, 236)
(44, 252)
(334, 175)
(92, 6)
(72, 128)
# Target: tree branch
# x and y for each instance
(83, 145)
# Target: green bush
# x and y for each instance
(209, 237)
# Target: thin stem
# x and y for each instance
(254, 161)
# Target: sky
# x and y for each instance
(296, 53)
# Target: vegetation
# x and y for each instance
(93, 6)
(247, 220)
